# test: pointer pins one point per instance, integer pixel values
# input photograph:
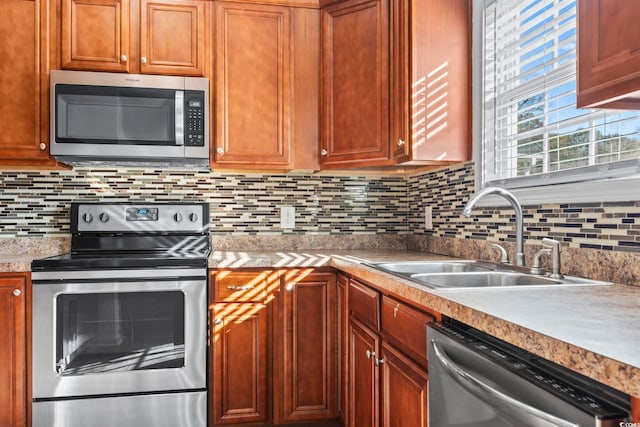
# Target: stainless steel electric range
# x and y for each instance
(120, 322)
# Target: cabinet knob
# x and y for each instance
(17, 292)
(324, 152)
(43, 146)
(378, 362)
(123, 58)
(220, 150)
(400, 143)
(143, 59)
(217, 322)
(370, 354)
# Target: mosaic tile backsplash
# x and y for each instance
(603, 226)
(36, 203)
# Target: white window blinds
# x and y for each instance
(533, 134)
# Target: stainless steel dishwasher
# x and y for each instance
(477, 380)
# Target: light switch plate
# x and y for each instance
(287, 217)
(428, 218)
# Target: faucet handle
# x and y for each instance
(504, 257)
(551, 244)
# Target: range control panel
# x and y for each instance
(139, 217)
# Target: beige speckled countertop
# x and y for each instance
(594, 330)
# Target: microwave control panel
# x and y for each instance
(194, 120)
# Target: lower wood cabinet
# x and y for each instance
(272, 352)
(403, 389)
(386, 366)
(240, 357)
(14, 289)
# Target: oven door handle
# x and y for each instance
(512, 408)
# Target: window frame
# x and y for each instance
(614, 189)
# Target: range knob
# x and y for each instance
(104, 217)
(193, 217)
(177, 217)
(87, 217)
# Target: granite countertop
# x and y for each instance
(594, 330)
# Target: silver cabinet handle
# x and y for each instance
(43, 146)
(377, 361)
(370, 354)
(324, 152)
(518, 412)
(217, 322)
(17, 292)
(123, 58)
(240, 288)
(400, 143)
(143, 60)
(220, 150)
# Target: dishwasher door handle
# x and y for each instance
(512, 408)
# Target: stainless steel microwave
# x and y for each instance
(129, 119)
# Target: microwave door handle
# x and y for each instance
(506, 405)
(179, 117)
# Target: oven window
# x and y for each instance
(113, 332)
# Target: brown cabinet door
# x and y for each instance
(95, 35)
(355, 89)
(239, 363)
(253, 86)
(24, 82)
(430, 81)
(363, 387)
(13, 398)
(172, 37)
(404, 390)
(305, 370)
(608, 54)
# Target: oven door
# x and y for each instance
(96, 335)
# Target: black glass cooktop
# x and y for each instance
(121, 260)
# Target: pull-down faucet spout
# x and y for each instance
(519, 259)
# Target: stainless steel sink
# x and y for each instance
(418, 267)
(461, 274)
(487, 279)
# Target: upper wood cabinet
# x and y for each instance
(396, 85)
(430, 81)
(134, 36)
(266, 83)
(24, 83)
(13, 351)
(608, 71)
(355, 84)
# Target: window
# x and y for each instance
(533, 138)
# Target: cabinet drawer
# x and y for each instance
(406, 328)
(364, 304)
(241, 286)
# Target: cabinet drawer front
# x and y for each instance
(364, 304)
(240, 286)
(406, 328)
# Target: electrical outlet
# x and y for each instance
(428, 218)
(287, 217)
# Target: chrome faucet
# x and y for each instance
(519, 259)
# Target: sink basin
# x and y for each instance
(470, 274)
(419, 267)
(487, 279)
